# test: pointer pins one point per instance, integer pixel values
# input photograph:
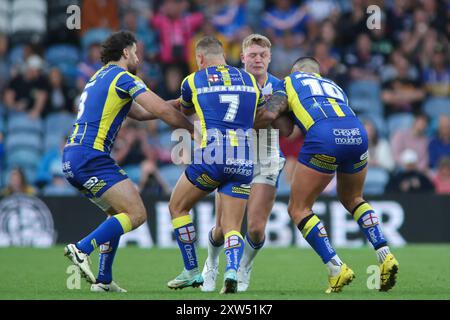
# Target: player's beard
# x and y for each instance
(132, 69)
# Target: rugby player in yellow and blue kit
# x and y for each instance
(335, 141)
(112, 94)
(225, 99)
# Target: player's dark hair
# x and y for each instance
(209, 45)
(112, 48)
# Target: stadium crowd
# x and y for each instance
(397, 77)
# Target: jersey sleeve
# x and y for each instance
(131, 85)
(186, 94)
(280, 88)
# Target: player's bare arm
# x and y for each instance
(273, 108)
(164, 111)
(138, 113)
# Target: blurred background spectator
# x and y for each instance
(397, 78)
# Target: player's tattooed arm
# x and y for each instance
(276, 105)
(273, 108)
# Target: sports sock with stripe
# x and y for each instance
(369, 224)
(111, 228)
(107, 253)
(214, 249)
(250, 251)
(233, 247)
(315, 234)
(186, 236)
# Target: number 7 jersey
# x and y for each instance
(225, 99)
(312, 98)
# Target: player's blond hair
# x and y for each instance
(257, 39)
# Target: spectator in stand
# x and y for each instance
(284, 52)
(380, 155)
(230, 18)
(88, 67)
(18, 184)
(4, 62)
(284, 17)
(440, 144)
(362, 63)
(441, 179)
(60, 97)
(144, 34)
(415, 139)
(437, 77)
(351, 24)
(382, 43)
(404, 93)
(410, 179)
(28, 91)
(151, 180)
(170, 88)
(99, 14)
(329, 64)
(176, 27)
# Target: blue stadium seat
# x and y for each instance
(376, 181)
(59, 191)
(171, 173)
(364, 96)
(399, 121)
(23, 157)
(21, 140)
(16, 55)
(22, 122)
(93, 36)
(133, 172)
(434, 107)
(61, 54)
(57, 127)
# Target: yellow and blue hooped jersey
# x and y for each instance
(104, 105)
(225, 98)
(312, 98)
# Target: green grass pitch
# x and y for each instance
(283, 274)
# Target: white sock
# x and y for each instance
(334, 266)
(382, 253)
(250, 252)
(214, 250)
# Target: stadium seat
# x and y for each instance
(62, 54)
(376, 181)
(133, 172)
(57, 127)
(171, 174)
(93, 36)
(434, 107)
(22, 140)
(364, 96)
(399, 121)
(16, 55)
(27, 5)
(59, 191)
(27, 158)
(22, 122)
(4, 16)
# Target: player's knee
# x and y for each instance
(350, 203)
(176, 209)
(298, 214)
(256, 232)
